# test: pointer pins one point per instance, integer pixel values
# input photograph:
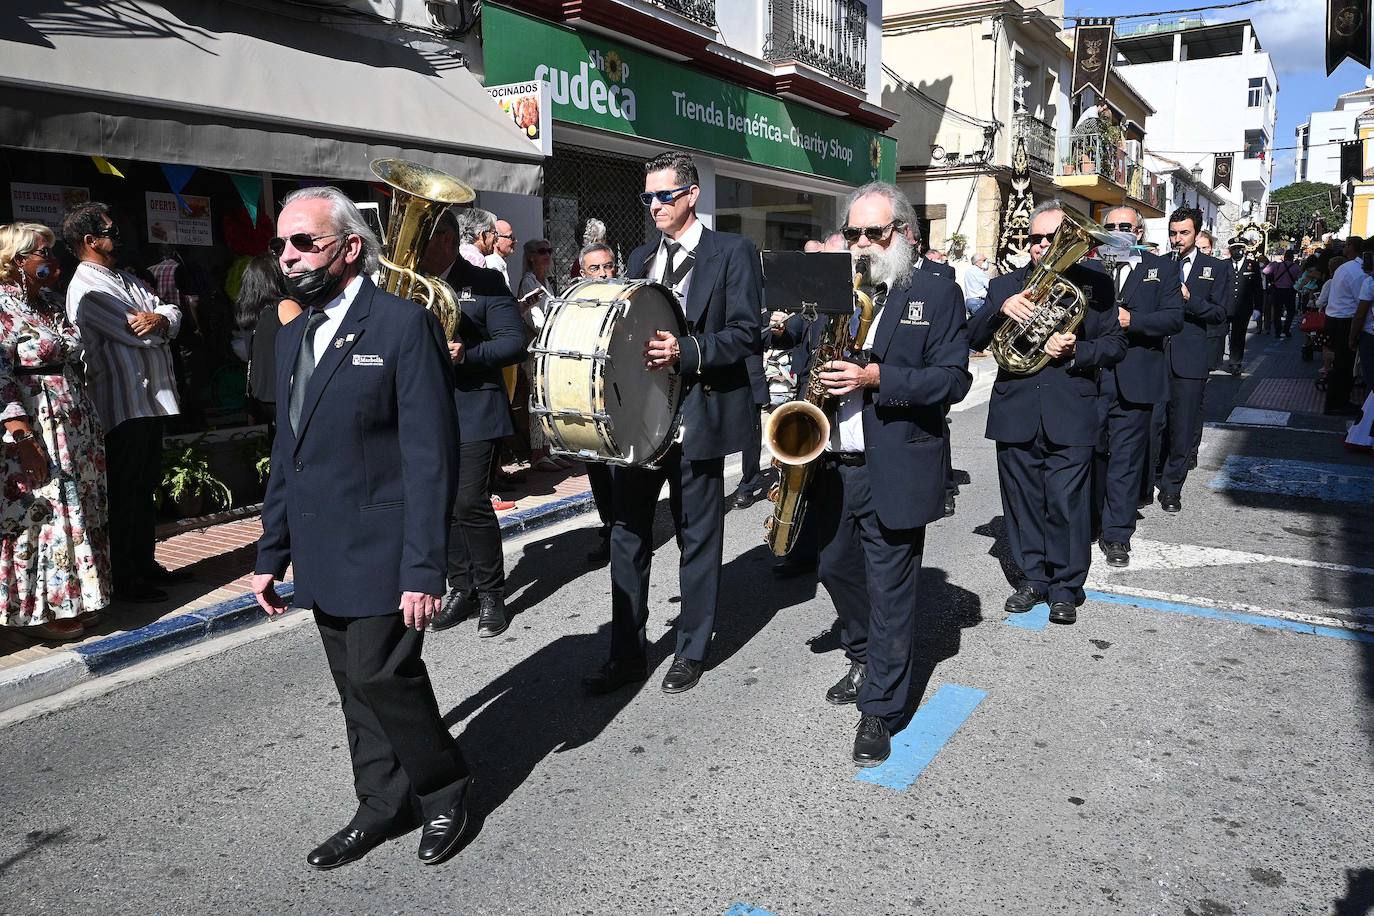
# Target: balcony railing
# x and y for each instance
(1094, 153)
(1040, 143)
(830, 35)
(703, 11)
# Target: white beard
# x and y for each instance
(891, 266)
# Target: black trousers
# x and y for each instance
(1047, 509)
(1155, 451)
(133, 471)
(1182, 432)
(751, 474)
(871, 573)
(406, 765)
(1283, 305)
(1341, 378)
(1117, 477)
(474, 538)
(699, 514)
(1240, 329)
(599, 479)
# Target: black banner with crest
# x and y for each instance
(1347, 32)
(1221, 170)
(1092, 54)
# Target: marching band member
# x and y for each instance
(883, 479)
(1045, 426)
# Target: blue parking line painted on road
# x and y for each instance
(1034, 619)
(744, 909)
(914, 747)
(1259, 620)
(1341, 483)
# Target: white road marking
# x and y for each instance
(1146, 554)
(1257, 417)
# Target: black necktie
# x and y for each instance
(305, 367)
(673, 272)
(670, 262)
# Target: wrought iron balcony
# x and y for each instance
(830, 35)
(1040, 142)
(703, 11)
(1098, 154)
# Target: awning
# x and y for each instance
(226, 85)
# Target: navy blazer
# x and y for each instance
(1190, 352)
(358, 500)
(937, 268)
(493, 336)
(724, 305)
(921, 344)
(1225, 280)
(1154, 297)
(1062, 397)
(1246, 290)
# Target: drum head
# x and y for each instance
(642, 405)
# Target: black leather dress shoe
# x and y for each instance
(440, 836)
(491, 615)
(348, 845)
(1063, 612)
(1023, 599)
(1171, 504)
(847, 689)
(788, 567)
(616, 674)
(683, 675)
(744, 498)
(872, 744)
(456, 608)
(949, 504)
(1117, 553)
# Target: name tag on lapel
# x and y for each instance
(915, 313)
(364, 359)
(1207, 272)
(1151, 275)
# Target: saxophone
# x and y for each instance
(798, 431)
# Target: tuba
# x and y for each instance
(419, 195)
(797, 432)
(1019, 347)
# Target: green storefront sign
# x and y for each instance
(597, 83)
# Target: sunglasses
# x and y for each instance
(301, 241)
(1119, 227)
(543, 251)
(664, 197)
(45, 253)
(872, 233)
(506, 235)
(1035, 238)
(110, 232)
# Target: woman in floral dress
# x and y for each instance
(54, 550)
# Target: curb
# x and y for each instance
(66, 669)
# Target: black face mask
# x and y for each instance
(316, 287)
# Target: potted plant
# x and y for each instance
(187, 481)
(958, 244)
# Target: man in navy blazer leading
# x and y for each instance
(1149, 308)
(717, 276)
(1204, 281)
(363, 472)
(883, 478)
(1046, 426)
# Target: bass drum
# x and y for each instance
(591, 393)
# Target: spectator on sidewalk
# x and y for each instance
(263, 306)
(1342, 302)
(1283, 278)
(476, 235)
(1321, 339)
(975, 284)
(54, 545)
(535, 290)
(503, 248)
(1361, 335)
(126, 332)
(597, 261)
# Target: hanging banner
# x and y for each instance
(169, 223)
(1334, 198)
(1352, 160)
(527, 104)
(250, 192)
(45, 203)
(1092, 55)
(1221, 170)
(1271, 215)
(106, 167)
(1347, 32)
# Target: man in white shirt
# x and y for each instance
(504, 246)
(1341, 329)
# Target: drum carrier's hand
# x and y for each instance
(661, 351)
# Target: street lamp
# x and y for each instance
(1196, 172)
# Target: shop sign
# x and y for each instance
(597, 83)
(527, 104)
(45, 203)
(172, 223)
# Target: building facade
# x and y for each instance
(1214, 90)
(1318, 155)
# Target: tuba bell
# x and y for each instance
(1019, 347)
(419, 195)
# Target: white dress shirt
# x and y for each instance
(1185, 266)
(1345, 290)
(689, 241)
(334, 311)
(848, 432)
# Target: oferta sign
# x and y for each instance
(597, 83)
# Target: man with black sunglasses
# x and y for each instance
(717, 277)
(1045, 426)
(1149, 301)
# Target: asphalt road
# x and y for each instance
(1161, 756)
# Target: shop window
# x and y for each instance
(773, 217)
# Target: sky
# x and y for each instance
(1294, 34)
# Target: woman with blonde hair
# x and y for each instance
(54, 547)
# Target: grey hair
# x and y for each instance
(346, 219)
(473, 222)
(1052, 205)
(902, 211)
(1139, 217)
(592, 248)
